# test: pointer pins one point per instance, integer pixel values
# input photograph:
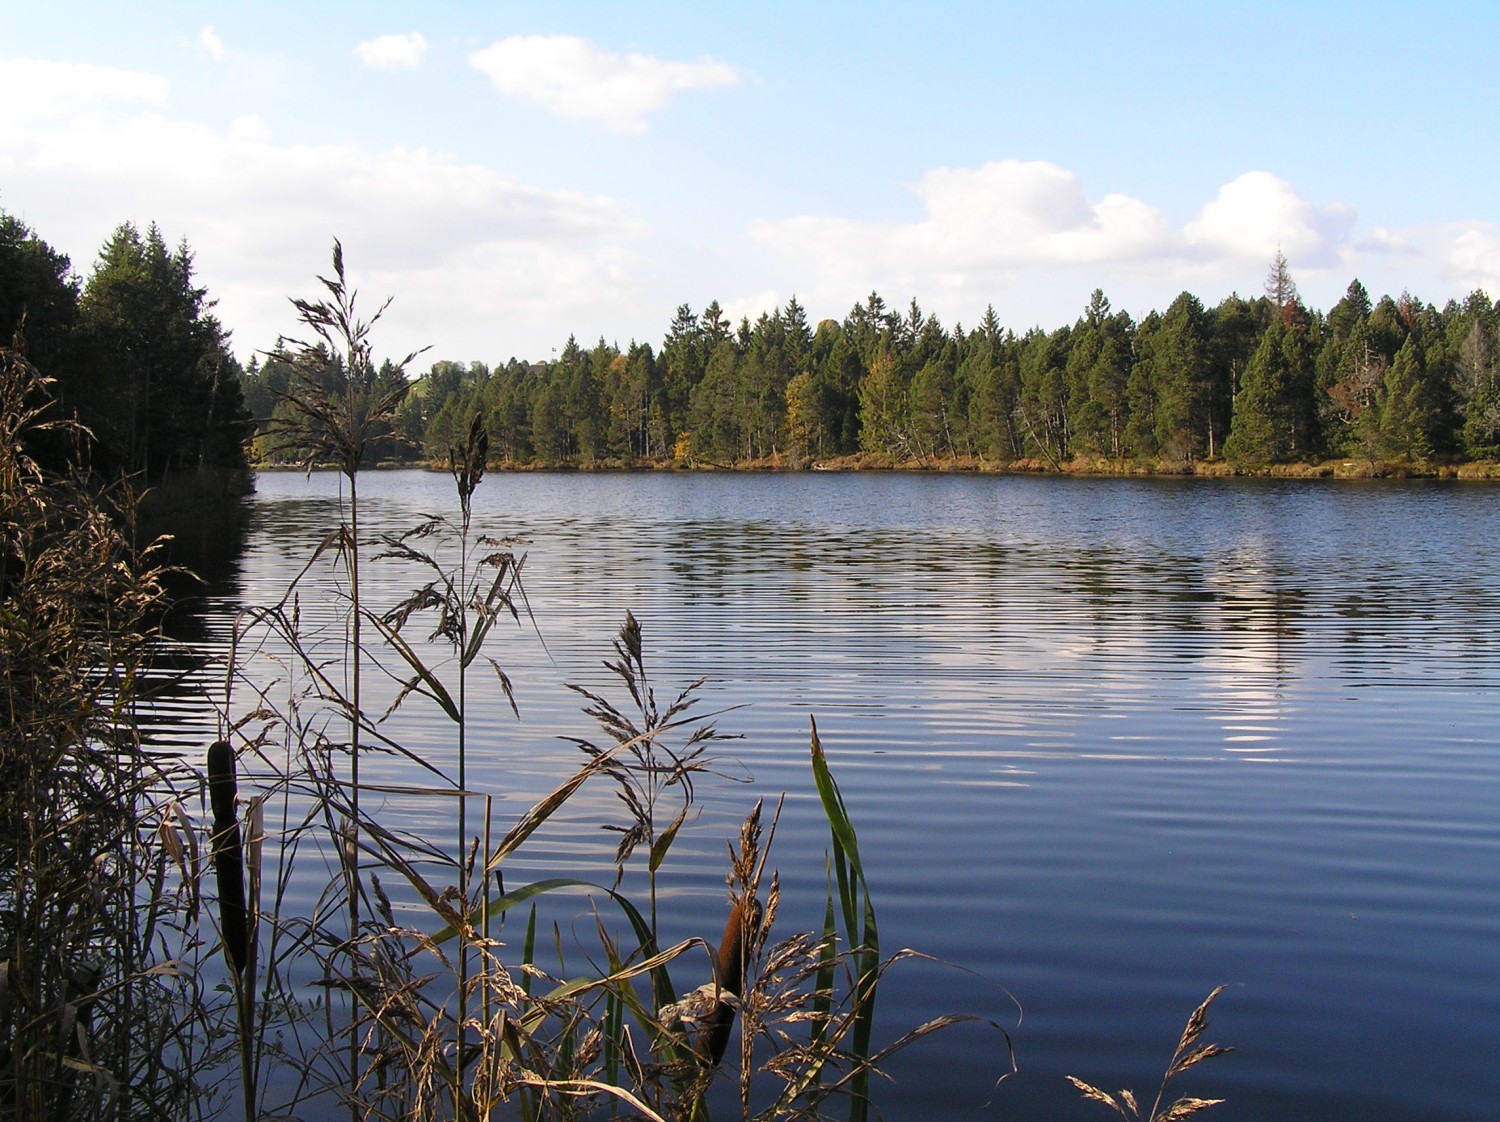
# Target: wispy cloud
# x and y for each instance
(575, 78)
(392, 52)
(210, 45)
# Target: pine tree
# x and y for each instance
(1281, 289)
(157, 383)
(1272, 411)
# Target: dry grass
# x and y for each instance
(1189, 1054)
(102, 1015)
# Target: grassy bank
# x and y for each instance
(976, 465)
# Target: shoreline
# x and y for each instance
(1080, 467)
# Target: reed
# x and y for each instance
(102, 1014)
(1189, 1054)
(336, 406)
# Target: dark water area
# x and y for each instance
(1108, 744)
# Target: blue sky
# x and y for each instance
(513, 173)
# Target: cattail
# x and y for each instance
(729, 977)
(229, 856)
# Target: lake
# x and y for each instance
(1108, 743)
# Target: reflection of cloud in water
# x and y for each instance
(1249, 670)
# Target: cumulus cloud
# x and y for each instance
(249, 127)
(210, 45)
(575, 78)
(1258, 213)
(477, 259)
(1022, 224)
(1471, 258)
(1029, 212)
(391, 52)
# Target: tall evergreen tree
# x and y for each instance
(1098, 373)
(716, 410)
(38, 295)
(1178, 365)
(157, 385)
(1043, 405)
(684, 353)
(1477, 376)
(884, 412)
(1273, 410)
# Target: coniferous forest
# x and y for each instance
(134, 354)
(1247, 384)
(1250, 383)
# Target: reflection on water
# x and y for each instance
(1110, 742)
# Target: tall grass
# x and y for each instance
(366, 968)
(336, 407)
(101, 1007)
(1188, 1055)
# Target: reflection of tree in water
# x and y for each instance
(177, 710)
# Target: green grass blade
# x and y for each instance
(528, 951)
(863, 938)
(664, 840)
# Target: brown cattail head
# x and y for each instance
(729, 976)
(229, 856)
(729, 966)
(221, 783)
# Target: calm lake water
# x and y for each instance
(1108, 743)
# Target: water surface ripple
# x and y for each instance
(1108, 744)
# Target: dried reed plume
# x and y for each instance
(1189, 1054)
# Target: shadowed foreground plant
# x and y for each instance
(1189, 1054)
(597, 1024)
(101, 1017)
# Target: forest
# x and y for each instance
(1250, 382)
(134, 354)
(1391, 385)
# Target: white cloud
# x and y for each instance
(1016, 212)
(575, 78)
(249, 128)
(1016, 229)
(1258, 213)
(481, 264)
(34, 90)
(1472, 258)
(750, 307)
(210, 44)
(392, 51)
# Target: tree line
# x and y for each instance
(1253, 381)
(134, 354)
(138, 357)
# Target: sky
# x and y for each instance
(513, 174)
